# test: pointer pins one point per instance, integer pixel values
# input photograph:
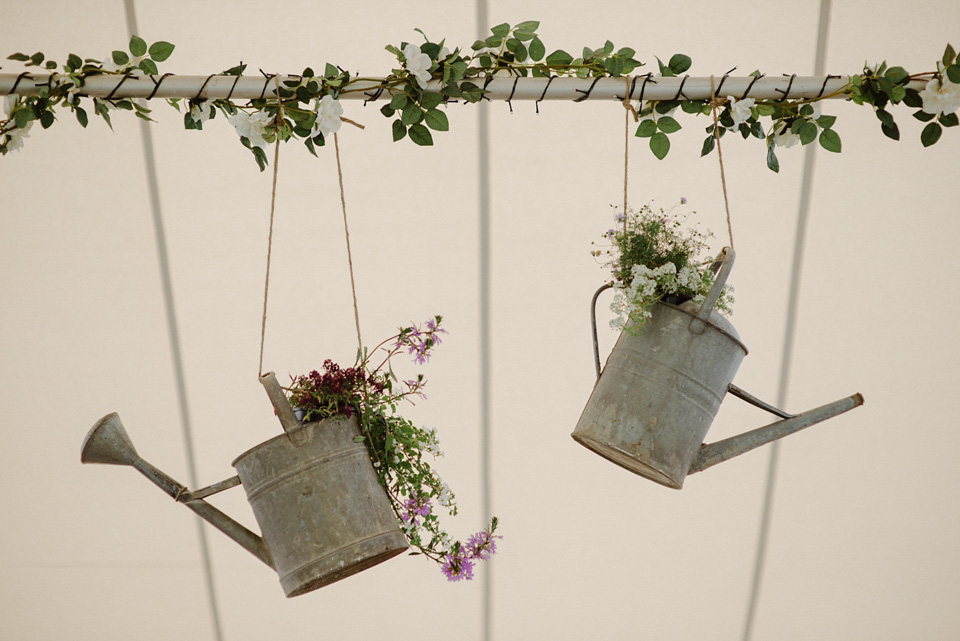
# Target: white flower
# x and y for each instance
(740, 110)
(251, 126)
(328, 116)
(15, 137)
(201, 111)
(940, 97)
(783, 137)
(9, 102)
(418, 64)
(445, 498)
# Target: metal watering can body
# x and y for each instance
(313, 491)
(658, 393)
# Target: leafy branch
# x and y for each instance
(307, 107)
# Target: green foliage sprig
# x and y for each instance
(309, 109)
(399, 449)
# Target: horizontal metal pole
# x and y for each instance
(498, 88)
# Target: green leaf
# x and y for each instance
(501, 30)
(528, 25)
(949, 55)
(891, 131)
(521, 53)
(668, 125)
(74, 62)
(411, 114)
(437, 120)
(19, 57)
(81, 117)
(772, 161)
(137, 46)
(708, 144)
(953, 73)
(913, 99)
(536, 50)
(830, 140)
(21, 117)
(46, 119)
(399, 130)
(679, 63)
(923, 116)
(37, 58)
(950, 120)
(148, 66)
(50, 64)
(399, 101)
(421, 135)
(388, 111)
(471, 92)
(260, 156)
(120, 58)
(559, 57)
(430, 100)
(931, 134)
(614, 66)
(808, 132)
(161, 50)
(826, 122)
(659, 145)
(896, 75)
(646, 129)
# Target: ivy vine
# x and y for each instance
(309, 110)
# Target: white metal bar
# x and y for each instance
(498, 88)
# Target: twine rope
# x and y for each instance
(273, 202)
(346, 233)
(715, 102)
(628, 110)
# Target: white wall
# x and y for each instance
(865, 523)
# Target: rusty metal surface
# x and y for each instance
(658, 393)
(660, 390)
(319, 505)
(314, 493)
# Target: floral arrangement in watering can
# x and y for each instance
(653, 258)
(399, 449)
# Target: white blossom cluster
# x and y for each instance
(632, 302)
(940, 96)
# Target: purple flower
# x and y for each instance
(414, 507)
(457, 567)
(482, 545)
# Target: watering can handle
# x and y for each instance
(698, 324)
(593, 325)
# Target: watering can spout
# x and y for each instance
(713, 453)
(107, 442)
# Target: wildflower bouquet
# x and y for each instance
(397, 447)
(652, 258)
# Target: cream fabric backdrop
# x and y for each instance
(865, 525)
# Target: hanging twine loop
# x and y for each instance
(715, 103)
(273, 203)
(346, 232)
(628, 110)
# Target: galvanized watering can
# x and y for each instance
(660, 390)
(313, 490)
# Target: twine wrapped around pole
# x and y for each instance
(529, 88)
